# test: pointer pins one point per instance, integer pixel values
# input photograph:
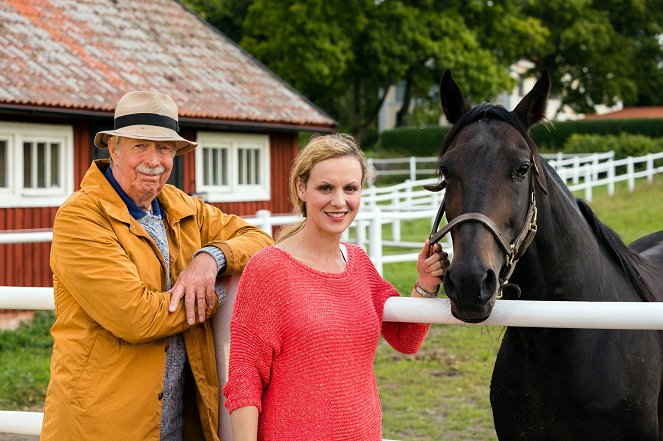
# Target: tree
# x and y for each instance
(601, 52)
(225, 15)
(344, 54)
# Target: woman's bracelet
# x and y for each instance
(424, 292)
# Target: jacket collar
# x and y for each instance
(134, 210)
(95, 184)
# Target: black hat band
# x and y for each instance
(147, 119)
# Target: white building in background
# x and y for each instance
(394, 100)
(390, 107)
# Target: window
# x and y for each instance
(232, 167)
(36, 164)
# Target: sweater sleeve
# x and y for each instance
(406, 338)
(253, 336)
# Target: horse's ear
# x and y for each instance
(532, 108)
(453, 102)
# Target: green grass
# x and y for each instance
(439, 393)
(24, 363)
(631, 215)
(442, 391)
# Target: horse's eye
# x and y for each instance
(520, 173)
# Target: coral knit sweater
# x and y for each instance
(303, 344)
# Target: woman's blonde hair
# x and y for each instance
(318, 149)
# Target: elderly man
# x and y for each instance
(135, 263)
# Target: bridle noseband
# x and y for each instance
(514, 250)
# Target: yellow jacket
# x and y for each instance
(112, 320)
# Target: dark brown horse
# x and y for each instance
(519, 232)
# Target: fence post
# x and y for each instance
(396, 223)
(588, 184)
(413, 168)
(630, 172)
(576, 169)
(650, 168)
(375, 240)
(265, 217)
(611, 177)
(595, 167)
(372, 195)
(361, 232)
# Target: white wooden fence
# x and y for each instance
(390, 206)
(414, 167)
(580, 173)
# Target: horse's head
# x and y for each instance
(489, 166)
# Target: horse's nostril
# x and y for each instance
(489, 286)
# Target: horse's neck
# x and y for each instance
(565, 256)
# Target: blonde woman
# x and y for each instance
(308, 314)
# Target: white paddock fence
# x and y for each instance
(392, 205)
(413, 167)
(582, 172)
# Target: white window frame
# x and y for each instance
(233, 191)
(15, 194)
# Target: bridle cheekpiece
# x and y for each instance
(513, 250)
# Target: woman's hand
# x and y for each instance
(431, 265)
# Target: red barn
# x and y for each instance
(65, 63)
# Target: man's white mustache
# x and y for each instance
(151, 171)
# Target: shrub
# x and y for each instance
(410, 141)
(552, 136)
(623, 144)
(549, 136)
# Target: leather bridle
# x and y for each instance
(513, 250)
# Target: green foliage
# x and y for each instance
(225, 15)
(30, 334)
(601, 52)
(410, 141)
(24, 363)
(623, 145)
(343, 54)
(549, 137)
(553, 136)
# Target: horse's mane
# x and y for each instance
(628, 260)
(487, 111)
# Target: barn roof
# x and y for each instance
(83, 55)
(631, 112)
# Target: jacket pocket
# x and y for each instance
(93, 370)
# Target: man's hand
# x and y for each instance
(196, 285)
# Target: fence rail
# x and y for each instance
(412, 167)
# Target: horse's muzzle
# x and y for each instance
(472, 290)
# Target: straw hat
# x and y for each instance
(146, 115)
